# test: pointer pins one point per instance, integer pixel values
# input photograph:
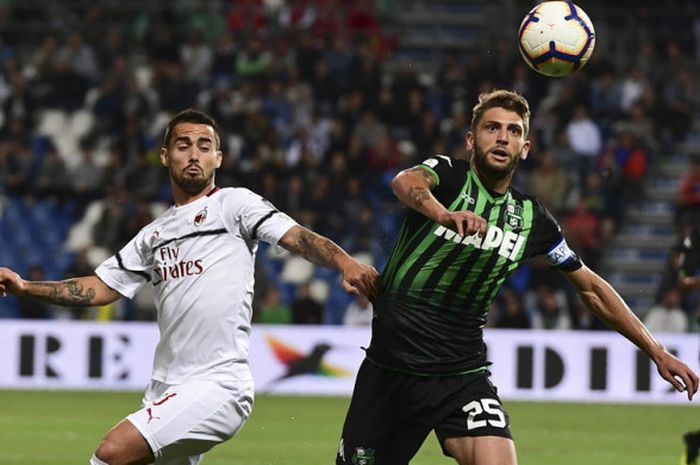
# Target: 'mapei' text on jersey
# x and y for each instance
(199, 258)
(438, 285)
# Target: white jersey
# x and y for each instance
(200, 259)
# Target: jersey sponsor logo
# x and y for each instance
(559, 254)
(173, 268)
(508, 243)
(200, 217)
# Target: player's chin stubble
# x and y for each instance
(191, 185)
(495, 172)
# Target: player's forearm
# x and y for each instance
(607, 304)
(84, 291)
(315, 248)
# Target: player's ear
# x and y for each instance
(164, 156)
(469, 141)
(219, 158)
(525, 151)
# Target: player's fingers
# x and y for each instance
(482, 226)
(459, 226)
(349, 288)
(691, 383)
(671, 378)
(373, 285)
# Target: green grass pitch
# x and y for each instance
(63, 428)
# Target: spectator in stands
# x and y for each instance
(272, 309)
(15, 166)
(52, 178)
(549, 183)
(585, 140)
(632, 159)
(21, 103)
(511, 311)
(549, 309)
(582, 229)
(667, 316)
(30, 309)
(688, 210)
(86, 176)
(305, 309)
(359, 312)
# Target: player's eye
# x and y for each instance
(515, 131)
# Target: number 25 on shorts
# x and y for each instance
(484, 411)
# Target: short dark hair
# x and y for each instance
(193, 116)
(506, 99)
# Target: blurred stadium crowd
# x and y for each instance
(317, 116)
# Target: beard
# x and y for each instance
(190, 184)
(490, 170)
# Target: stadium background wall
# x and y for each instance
(322, 360)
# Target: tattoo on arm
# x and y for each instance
(68, 292)
(418, 195)
(316, 249)
(425, 174)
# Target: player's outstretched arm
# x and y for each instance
(82, 291)
(413, 187)
(357, 277)
(605, 302)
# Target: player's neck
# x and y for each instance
(181, 197)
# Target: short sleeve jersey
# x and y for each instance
(199, 258)
(437, 285)
(690, 254)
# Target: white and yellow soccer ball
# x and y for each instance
(556, 38)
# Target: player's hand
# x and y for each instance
(359, 278)
(465, 223)
(678, 374)
(10, 282)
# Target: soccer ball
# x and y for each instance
(556, 38)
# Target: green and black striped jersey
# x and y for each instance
(438, 285)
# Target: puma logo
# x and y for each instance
(149, 410)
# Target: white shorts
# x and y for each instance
(182, 422)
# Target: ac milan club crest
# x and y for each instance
(200, 217)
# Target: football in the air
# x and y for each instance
(556, 38)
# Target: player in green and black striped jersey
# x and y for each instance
(689, 280)
(466, 230)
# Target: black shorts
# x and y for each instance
(391, 413)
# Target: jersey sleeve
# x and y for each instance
(257, 218)
(550, 242)
(440, 166)
(128, 270)
(690, 255)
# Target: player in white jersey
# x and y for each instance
(199, 258)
